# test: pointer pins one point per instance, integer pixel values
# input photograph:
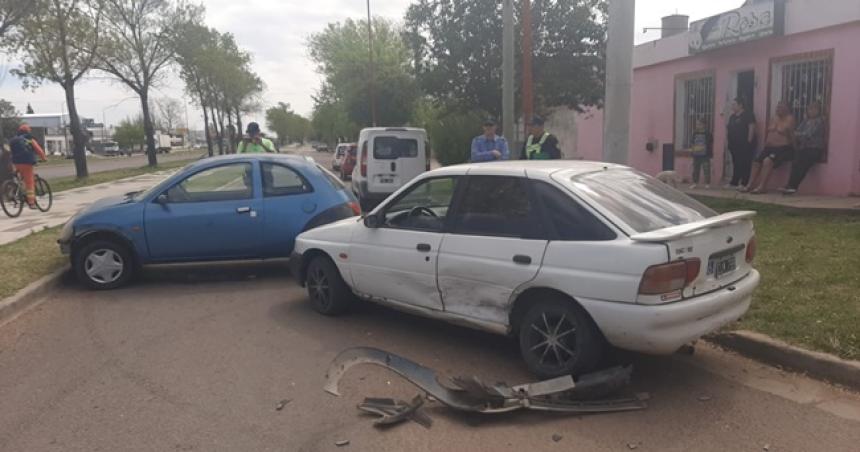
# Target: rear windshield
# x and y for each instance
(390, 148)
(640, 201)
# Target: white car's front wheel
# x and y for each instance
(328, 292)
(558, 338)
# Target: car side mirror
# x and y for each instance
(162, 199)
(371, 221)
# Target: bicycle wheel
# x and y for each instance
(10, 198)
(44, 197)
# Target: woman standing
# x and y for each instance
(810, 141)
(741, 140)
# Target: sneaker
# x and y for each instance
(789, 191)
(707, 186)
(693, 187)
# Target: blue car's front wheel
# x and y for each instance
(103, 265)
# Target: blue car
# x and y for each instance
(249, 206)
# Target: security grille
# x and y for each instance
(698, 104)
(804, 82)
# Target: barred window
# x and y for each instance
(801, 80)
(694, 99)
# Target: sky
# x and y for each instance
(274, 32)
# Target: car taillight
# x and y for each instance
(356, 209)
(751, 249)
(364, 162)
(427, 159)
(671, 277)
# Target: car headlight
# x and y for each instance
(68, 230)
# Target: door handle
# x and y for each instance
(243, 209)
(522, 259)
(423, 247)
(393, 167)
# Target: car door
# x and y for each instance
(397, 260)
(211, 214)
(495, 244)
(396, 157)
(288, 204)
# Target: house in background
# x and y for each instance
(766, 51)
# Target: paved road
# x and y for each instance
(197, 358)
(96, 165)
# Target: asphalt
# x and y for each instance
(199, 357)
(101, 164)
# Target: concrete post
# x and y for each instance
(619, 76)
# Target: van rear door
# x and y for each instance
(396, 157)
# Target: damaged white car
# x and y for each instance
(569, 256)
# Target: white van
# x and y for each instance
(388, 158)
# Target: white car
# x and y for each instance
(567, 255)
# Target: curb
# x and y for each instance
(775, 352)
(31, 295)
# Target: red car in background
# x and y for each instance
(348, 162)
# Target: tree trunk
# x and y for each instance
(221, 131)
(78, 139)
(148, 128)
(231, 134)
(239, 130)
(206, 127)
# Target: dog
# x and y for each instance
(669, 178)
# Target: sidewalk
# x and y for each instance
(67, 203)
(774, 197)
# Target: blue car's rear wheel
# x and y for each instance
(103, 265)
(328, 292)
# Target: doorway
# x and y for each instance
(746, 88)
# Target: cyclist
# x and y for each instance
(25, 149)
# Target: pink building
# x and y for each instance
(765, 51)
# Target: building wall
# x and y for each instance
(653, 104)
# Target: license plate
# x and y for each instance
(386, 181)
(722, 265)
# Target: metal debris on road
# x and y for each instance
(392, 411)
(563, 394)
(280, 406)
(341, 443)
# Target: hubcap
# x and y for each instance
(553, 339)
(104, 266)
(319, 288)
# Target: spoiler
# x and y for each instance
(676, 232)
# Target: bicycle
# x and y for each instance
(13, 195)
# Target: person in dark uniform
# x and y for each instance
(540, 145)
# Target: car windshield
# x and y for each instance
(389, 148)
(641, 202)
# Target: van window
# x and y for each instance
(390, 148)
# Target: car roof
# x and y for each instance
(282, 158)
(392, 129)
(534, 168)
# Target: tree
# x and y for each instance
(30, 109)
(59, 45)
(457, 52)
(288, 125)
(169, 114)
(341, 55)
(130, 134)
(9, 118)
(12, 12)
(137, 48)
(330, 122)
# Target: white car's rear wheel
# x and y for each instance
(328, 292)
(558, 338)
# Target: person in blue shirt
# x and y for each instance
(489, 147)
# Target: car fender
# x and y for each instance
(130, 239)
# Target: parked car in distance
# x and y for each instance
(389, 157)
(246, 206)
(565, 255)
(348, 164)
(339, 155)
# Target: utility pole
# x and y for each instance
(528, 97)
(371, 81)
(508, 73)
(619, 75)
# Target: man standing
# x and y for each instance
(255, 143)
(540, 145)
(489, 146)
